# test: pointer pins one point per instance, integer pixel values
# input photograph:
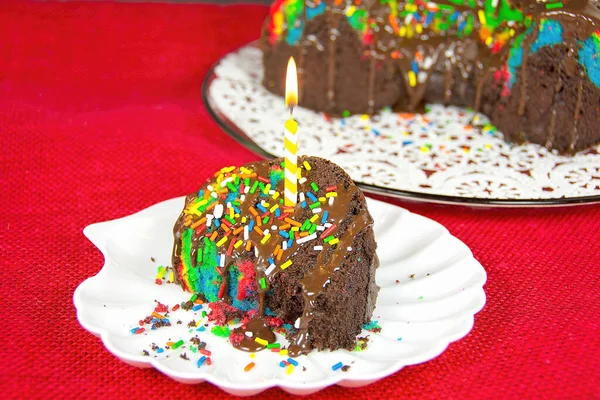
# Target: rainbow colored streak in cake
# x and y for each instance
(588, 57)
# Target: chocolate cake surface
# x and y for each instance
(311, 266)
(532, 67)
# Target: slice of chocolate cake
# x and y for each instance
(311, 266)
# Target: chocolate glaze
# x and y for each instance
(316, 279)
(256, 328)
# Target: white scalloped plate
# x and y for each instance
(431, 287)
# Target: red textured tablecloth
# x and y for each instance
(100, 116)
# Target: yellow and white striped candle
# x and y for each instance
(290, 140)
(291, 162)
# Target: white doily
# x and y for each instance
(437, 153)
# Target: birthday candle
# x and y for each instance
(291, 137)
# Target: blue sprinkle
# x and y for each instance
(261, 208)
(201, 329)
(284, 234)
(134, 330)
(290, 242)
(406, 142)
(462, 25)
(337, 366)
(303, 204)
(311, 196)
(200, 193)
(270, 260)
(429, 18)
(237, 210)
(343, 121)
(153, 328)
(217, 223)
(166, 321)
(325, 216)
(201, 361)
(251, 225)
(399, 339)
(197, 307)
(282, 364)
(293, 362)
(277, 212)
(160, 350)
(376, 132)
(415, 67)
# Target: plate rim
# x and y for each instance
(237, 134)
(96, 233)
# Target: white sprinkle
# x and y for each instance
(222, 260)
(273, 227)
(331, 201)
(248, 333)
(349, 248)
(246, 189)
(297, 323)
(218, 211)
(265, 232)
(284, 245)
(210, 188)
(302, 198)
(317, 248)
(270, 269)
(246, 233)
(302, 180)
(327, 224)
(271, 192)
(318, 210)
(255, 251)
(225, 181)
(306, 238)
(214, 194)
(320, 228)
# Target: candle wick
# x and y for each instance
(291, 110)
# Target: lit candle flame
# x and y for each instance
(291, 85)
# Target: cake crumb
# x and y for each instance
(345, 368)
(145, 352)
(412, 276)
(184, 356)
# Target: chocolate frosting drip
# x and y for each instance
(256, 328)
(579, 18)
(316, 279)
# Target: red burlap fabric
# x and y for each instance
(100, 116)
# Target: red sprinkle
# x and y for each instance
(275, 350)
(205, 352)
(263, 180)
(176, 307)
(141, 330)
(283, 216)
(331, 188)
(328, 231)
(208, 361)
(200, 229)
(222, 291)
(230, 248)
(158, 281)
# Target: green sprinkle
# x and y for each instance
(177, 345)
(329, 239)
(312, 229)
(273, 346)
(315, 205)
(193, 349)
(204, 312)
(247, 182)
(236, 180)
(358, 258)
(194, 297)
(221, 331)
(346, 114)
(263, 283)
(237, 203)
(231, 187)
(305, 225)
(265, 219)
(253, 188)
(228, 218)
(315, 187)
(552, 6)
